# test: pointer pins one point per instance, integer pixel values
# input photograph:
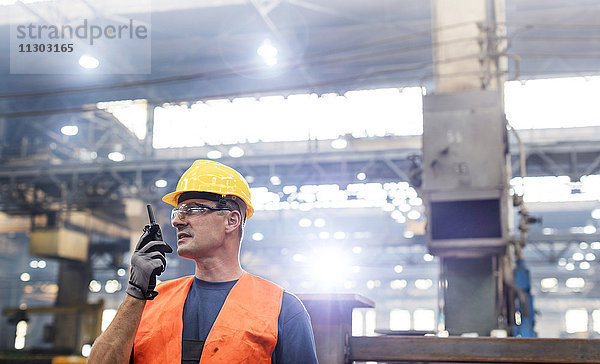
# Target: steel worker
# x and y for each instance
(221, 314)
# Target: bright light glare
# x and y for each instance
(361, 176)
(42, 264)
(160, 183)
(88, 62)
(121, 272)
(116, 156)
(268, 52)
(257, 236)
(69, 130)
(329, 267)
(398, 268)
(305, 222)
(25, 277)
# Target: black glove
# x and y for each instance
(147, 262)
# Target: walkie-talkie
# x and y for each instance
(153, 229)
(152, 233)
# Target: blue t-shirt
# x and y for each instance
(295, 340)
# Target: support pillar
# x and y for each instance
(466, 169)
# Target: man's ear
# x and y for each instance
(233, 221)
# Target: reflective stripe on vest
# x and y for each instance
(245, 330)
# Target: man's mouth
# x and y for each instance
(182, 235)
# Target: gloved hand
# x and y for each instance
(147, 262)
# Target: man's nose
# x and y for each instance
(178, 221)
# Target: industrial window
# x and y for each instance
(553, 103)
(107, 316)
(358, 327)
(576, 320)
(596, 319)
(370, 322)
(399, 319)
(424, 320)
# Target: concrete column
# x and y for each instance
(467, 35)
(468, 38)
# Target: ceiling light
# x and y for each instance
(583, 245)
(577, 256)
(339, 144)
(357, 250)
(268, 52)
(25, 277)
(398, 268)
(595, 245)
(361, 176)
(69, 130)
(42, 264)
(596, 214)
(116, 156)
(575, 283)
(428, 257)
(214, 154)
(95, 286)
(423, 284)
(121, 272)
(305, 222)
(161, 183)
(414, 215)
(570, 266)
(398, 284)
(288, 190)
(88, 62)
(236, 152)
(33, 264)
(257, 236)
(339, 235)
(590, 257)
(589, 229)
(549, 284)
(275, 180)
(319, 222)
(324, 235)
(584, 265)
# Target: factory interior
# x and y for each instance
(425, 174)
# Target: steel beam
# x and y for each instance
(474, 350)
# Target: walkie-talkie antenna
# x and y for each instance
(151, 214)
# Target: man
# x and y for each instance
(222, 314)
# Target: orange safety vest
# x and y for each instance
(245, 330)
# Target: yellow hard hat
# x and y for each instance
(213, 177)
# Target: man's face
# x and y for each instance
(199, 234)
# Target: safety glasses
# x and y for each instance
(193, 209)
